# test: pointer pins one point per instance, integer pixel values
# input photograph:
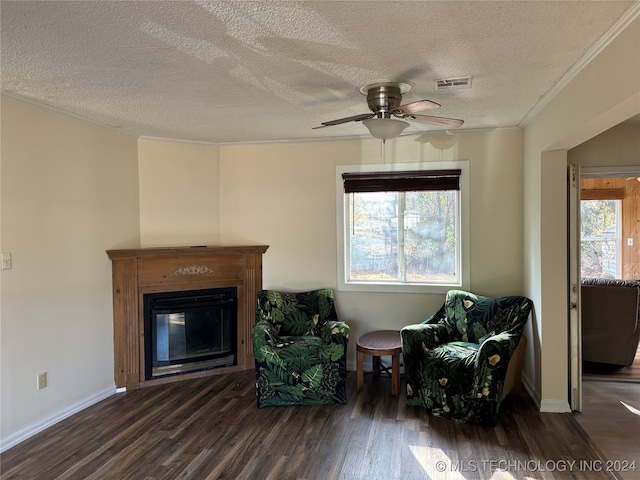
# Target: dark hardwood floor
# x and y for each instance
(611, 417)
(210, 428)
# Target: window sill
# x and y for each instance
(398, 288)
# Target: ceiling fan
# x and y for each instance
(384, 101)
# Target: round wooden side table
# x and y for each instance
(378, 344)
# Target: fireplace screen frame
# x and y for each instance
(180, 304)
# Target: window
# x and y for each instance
(601, 236)
(402, 229)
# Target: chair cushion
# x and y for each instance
(454, 364)
(456, 353)
(298, 341)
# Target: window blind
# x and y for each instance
(407, 181)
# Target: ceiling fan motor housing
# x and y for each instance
(383, 99)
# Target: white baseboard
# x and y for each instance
(546, 405)
(25, 433)
(554, 406)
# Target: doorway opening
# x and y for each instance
(610, 273)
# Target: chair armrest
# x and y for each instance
(265, 341)
(491, 364)
(428, 334)
(335, 334)
(497, 348)
(264, 333)
(425, 335)
(335, 331)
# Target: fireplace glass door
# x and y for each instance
(190, 331)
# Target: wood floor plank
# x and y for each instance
(210, 428)
(611, 417)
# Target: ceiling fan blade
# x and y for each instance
(441, 121)
(414, 107)
(354, 118)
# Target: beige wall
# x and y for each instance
(178, 193)
(588, 105)
(283, 195)
(618, 146)
(69, 192)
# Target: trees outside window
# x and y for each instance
(407, 237)
(600, 238)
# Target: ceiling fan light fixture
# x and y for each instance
(385, 128)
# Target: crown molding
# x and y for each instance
(90, 121)
(64, 113)
(177, 140)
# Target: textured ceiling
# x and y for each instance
(246, 71)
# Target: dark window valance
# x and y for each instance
(408, 181)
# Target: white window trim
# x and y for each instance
(619, 246)
(463, 229)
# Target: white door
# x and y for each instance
(575, 323)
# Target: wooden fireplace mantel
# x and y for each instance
(138, 271)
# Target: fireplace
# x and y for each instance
(165, 281)
(189, 331)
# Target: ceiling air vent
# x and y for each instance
(449, 83)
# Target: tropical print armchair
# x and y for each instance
(300, 348)
(456, 361)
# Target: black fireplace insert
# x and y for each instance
(188, 331)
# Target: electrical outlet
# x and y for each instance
(6, 261)
(42, 380)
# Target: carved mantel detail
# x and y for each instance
(167, 269)
(193, 270)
